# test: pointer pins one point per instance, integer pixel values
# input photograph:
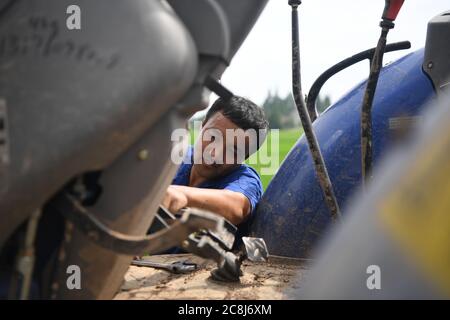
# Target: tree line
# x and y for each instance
(281, 112)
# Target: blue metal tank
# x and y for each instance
(292, 215)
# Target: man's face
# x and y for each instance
(221, 147)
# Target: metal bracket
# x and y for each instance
(228, 264)
(192, 220)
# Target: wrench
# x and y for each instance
(173, 267)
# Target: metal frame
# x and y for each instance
(191, 221)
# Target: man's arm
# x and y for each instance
(233, 206)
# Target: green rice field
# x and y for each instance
(287, 138)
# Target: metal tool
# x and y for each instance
(176, 267)
(214, 245)
(255, 249)
(206, 243)
(228, 263)
(229, 266)
(163, 220)
(203, 245)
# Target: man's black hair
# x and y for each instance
(243, 113)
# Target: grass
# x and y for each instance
(287, 138)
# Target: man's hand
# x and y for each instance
(174, 199)
(233, 206)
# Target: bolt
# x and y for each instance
(430, 65)
(143, 154)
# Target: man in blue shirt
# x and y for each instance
(213, 176)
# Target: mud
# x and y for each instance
(259, 281)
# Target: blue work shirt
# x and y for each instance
(243, 179)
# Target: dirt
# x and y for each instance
(259, 281)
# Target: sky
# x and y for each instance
(330, 31)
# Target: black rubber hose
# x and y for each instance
(366, 109)
(319, 164)
(323, 78)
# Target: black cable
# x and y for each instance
(366, 109)
(323, 78)
(319, 163)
